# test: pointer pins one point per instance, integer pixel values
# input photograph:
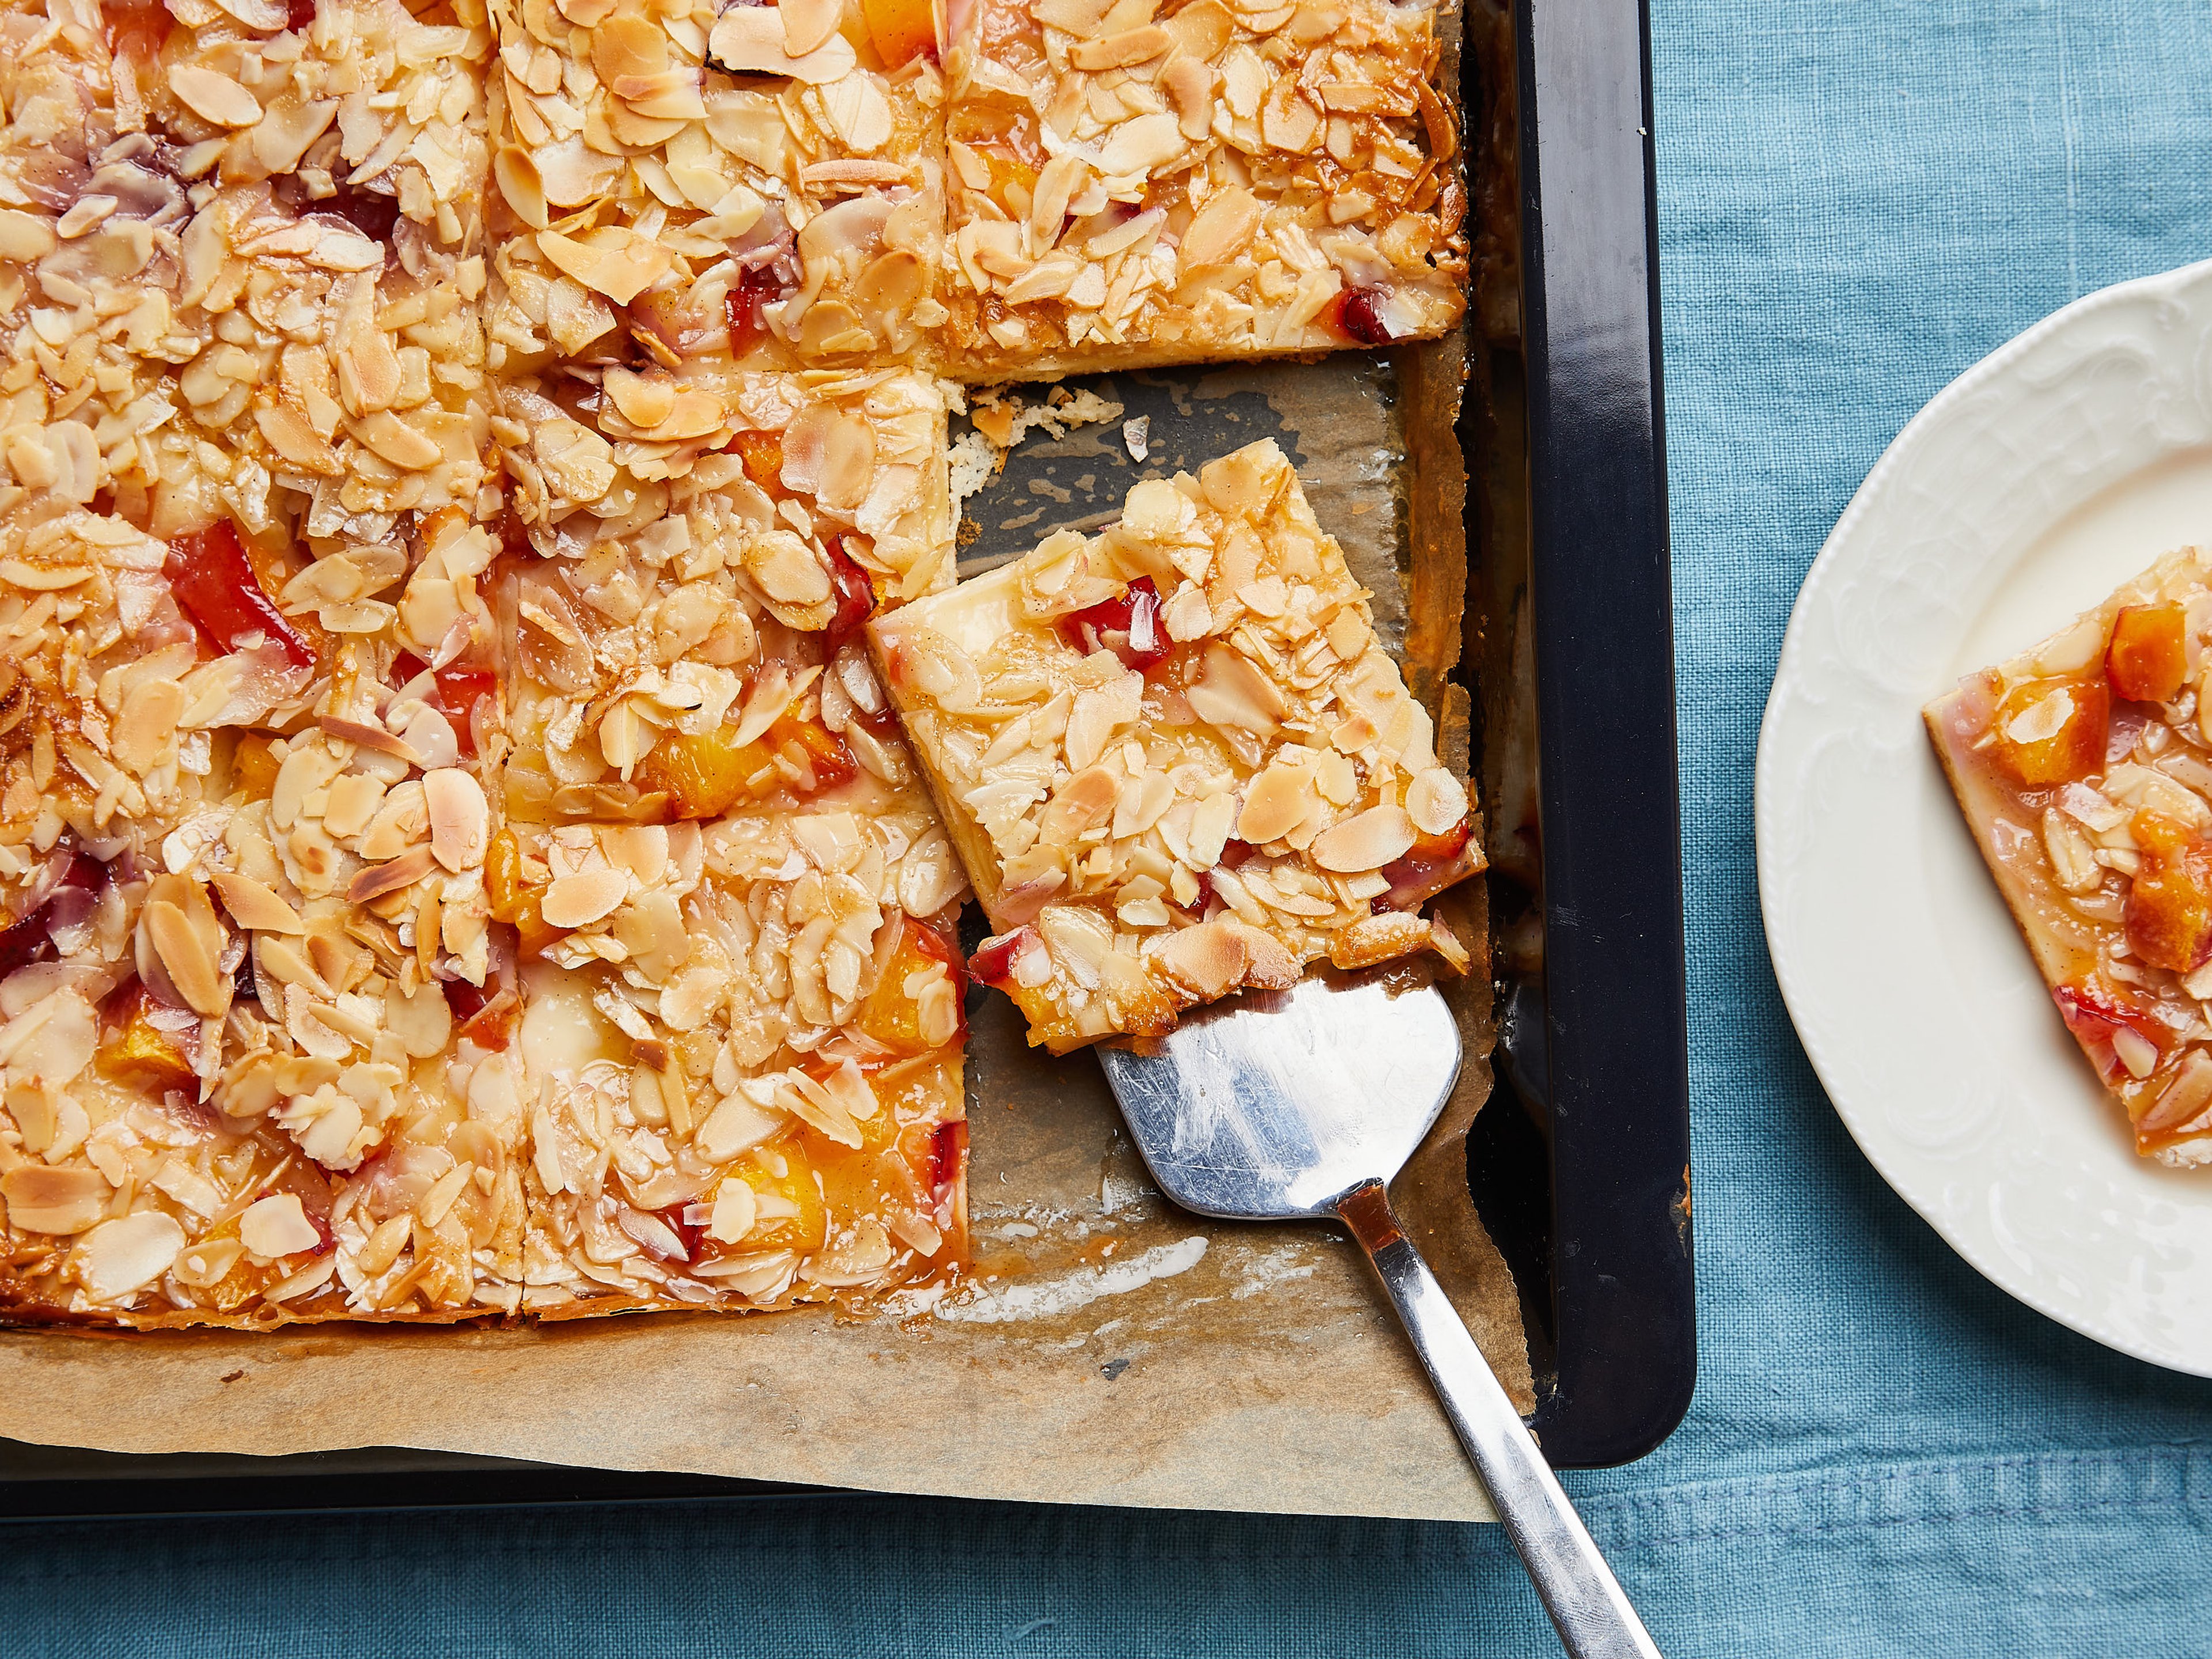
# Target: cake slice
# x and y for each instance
(1176, 759)
(2084, 767)
(1131, 188)
(762, 186)
(742, 1048)
(667, 606)
(255, 1065)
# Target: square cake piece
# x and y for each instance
(1176, 759)
(741, 1043)
(666, 604)
(1133, 186)
(2084, 767)
(754, 183)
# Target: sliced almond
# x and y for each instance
(398, 442)
(1276, 803)
(1436, 800)
(277, 1225)
(750, 40)
(121, 1257)
(628, 43)
(1231, 691)
(615, 262)
(1130, 46)
(808, 23)
(1379, 938)
(213, 96)
(254, 906)
(1205, 961)
(191, 966)
(587, 896)
(1223, 228)
(410, 867)
(43, 1200)
(460, 821)
(1366, 840)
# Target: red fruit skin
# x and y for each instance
(485, 1017)
(453, 692)
(1128, 626)
(994, 961)
(691, 1233)
(855, 594)
(215, 585)
(1359, 314)
(31, 939)
(1202, 901)
(2093, 1016)
(948, 1167)
(1408, 875)
(299, 14)
(755, 287)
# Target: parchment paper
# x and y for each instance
(1108, 1348)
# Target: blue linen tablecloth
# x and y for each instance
(1886, 1455)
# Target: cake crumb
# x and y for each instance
(1138, 435)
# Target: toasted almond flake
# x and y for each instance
(808, 23)
(627, 43)
(1437, 801)
(42, 1199)
(292, 436)
(1207, 961)
(1379, 938)
(398, 442)
(750, 40)
(589, 896)
(610, 260)
(213, 96)
(1223, 228)
(184, 953)
(460, 820)
(254, 905)
(121, 1257)
(734, 1212)
(362, 735)
(404, 871)
(1232, 692)
(1274, 805)
(382, 1246)
(1366, 840)
(276, 1226)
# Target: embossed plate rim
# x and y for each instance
(1873, 900)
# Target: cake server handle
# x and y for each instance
(1586, 1603)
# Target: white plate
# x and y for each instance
(2035, 482)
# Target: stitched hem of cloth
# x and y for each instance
(2169, 1480)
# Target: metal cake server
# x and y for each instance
(1305, 1104)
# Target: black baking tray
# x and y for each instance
(1594, 1043)
(1580, 1165)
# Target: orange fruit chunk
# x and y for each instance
(901, 29)
(906, 1010)
(2052, 731)
(706, 775)
(135, 1048)
(2169, 910)
(519, 906)
(2148, 657)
